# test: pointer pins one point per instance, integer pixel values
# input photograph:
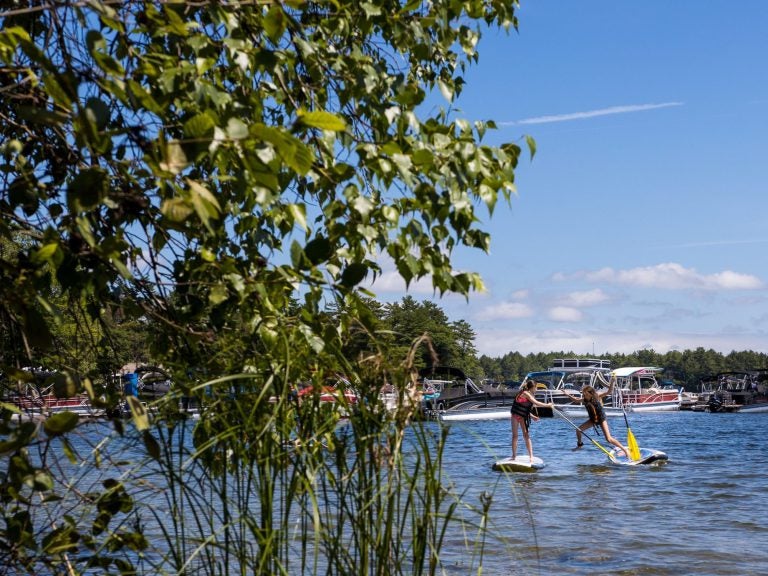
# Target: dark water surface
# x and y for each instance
(702, 512)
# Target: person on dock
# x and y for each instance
(521, 415)
(593, 402)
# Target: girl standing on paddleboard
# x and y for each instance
(593, 402)
(521, 415)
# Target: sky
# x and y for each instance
(642, 220)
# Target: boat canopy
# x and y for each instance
(635, 371)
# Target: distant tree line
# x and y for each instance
(399, 323)
(454, 343)
(686, 368)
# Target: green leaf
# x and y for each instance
(87, 189)
(36, 329)
(65, 386)
(204, 202)
(297, 256)
(237, 129)
(199, 127)
(59, 95)
(139, 413)
(218, 294)
(299, 214)
(323, 121)
(176, 209)
(446, 90)
(531, 145)
(275, 23)
(371, 9)
(60, 423)
(174, 159)
(152, 446)
(42, 481)
(69, 452)
(318, 250)
(97, 112)
(44, 254)
(353, 275)
(291, 150)
(11, 408)
(61, 540)
(316, 343)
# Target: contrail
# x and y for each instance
(592, 113)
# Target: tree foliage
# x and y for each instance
(187, 150)
(218, 172)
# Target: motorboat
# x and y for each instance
(449, 394)
(743, 391)
(637, 389)
(565, 376)
(39, 395)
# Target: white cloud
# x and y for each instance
(592, 113)
(498, 342)
(505, 311)
(391, 281)
(565, 314)
(669, 276)
(584, 298)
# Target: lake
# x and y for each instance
(702, 512)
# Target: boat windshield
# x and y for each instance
(549, 380)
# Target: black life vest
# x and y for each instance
(595, 410)
(522, 409)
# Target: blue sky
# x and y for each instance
(642, 222)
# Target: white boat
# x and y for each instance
(636, 389)
(449, 394)
(458, 415)
(578, 411)
(565, 375)
(36, 398)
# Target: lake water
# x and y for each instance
(702, 512)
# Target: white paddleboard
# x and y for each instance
(519, 464)
(647, 456)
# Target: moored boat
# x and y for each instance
(44, 393)
(567, 376)
(639, 390)
(742, 391)
(449, 394)
(636, 389)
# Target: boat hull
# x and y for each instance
(666, 406)
(578, 411)
(480, 414)
(753, 408)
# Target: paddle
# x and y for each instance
(634, 449)
(587, 436)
